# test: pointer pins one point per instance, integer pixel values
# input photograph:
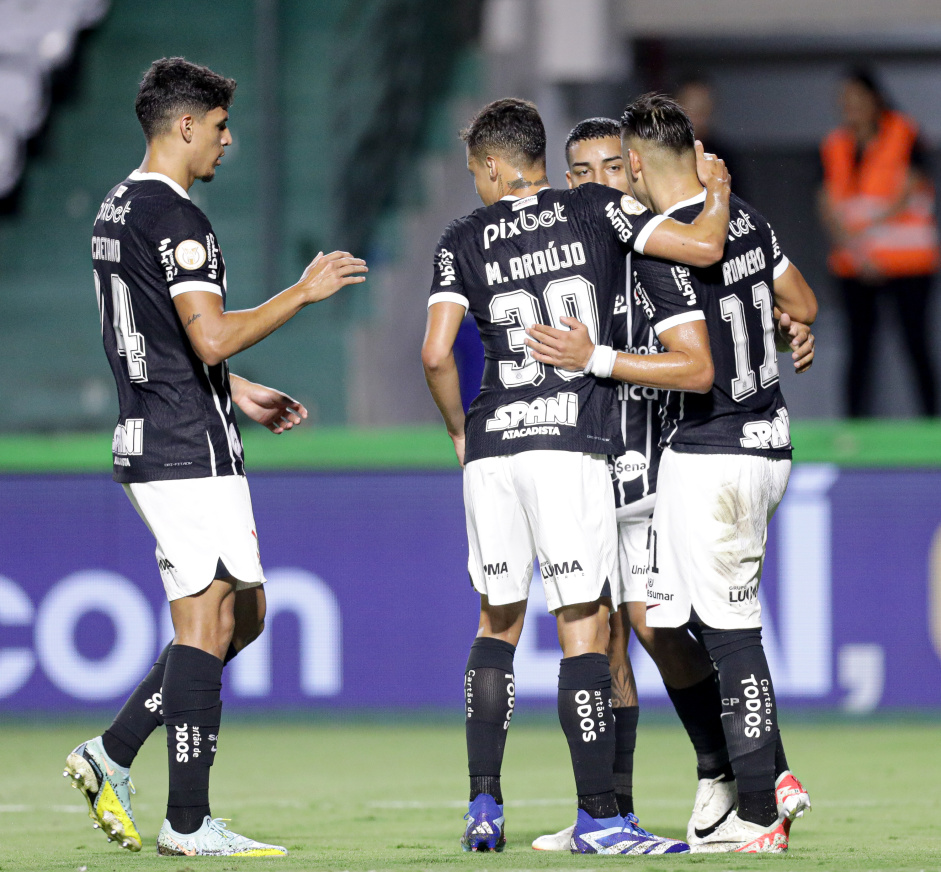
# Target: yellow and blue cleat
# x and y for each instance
(107, 788)
(212, 839)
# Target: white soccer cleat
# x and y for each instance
(212, 839)
(744, 837)
(791, 797)
(715, 801)
(560, 841)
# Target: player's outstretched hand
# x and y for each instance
(565, 349)
(711, 170)
(270, 408)
(327, 273)
(796, 338)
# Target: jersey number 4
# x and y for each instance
(733, 311)
(129, 342)
(572, 297)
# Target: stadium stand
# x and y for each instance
(37, 37)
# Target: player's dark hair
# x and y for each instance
(866, 79)
(511, 128)
(657, 118)
(173, 87)
(592, 128)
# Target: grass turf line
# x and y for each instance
(391, 796)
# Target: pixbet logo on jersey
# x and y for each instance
(525, 222)
(116, 214)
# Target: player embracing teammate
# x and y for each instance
(535, 444)
(726, 459)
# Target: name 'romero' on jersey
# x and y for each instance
(745, 412)
(534, 260)
(176, 416)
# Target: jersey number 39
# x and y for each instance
(572, 297)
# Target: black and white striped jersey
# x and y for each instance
(634, 473)
(150, 243)
(745, 412)
(536, 260)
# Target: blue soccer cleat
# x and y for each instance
(485, 825)
(619, 835)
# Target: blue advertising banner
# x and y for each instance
(368, 586)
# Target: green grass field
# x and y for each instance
(389, 794)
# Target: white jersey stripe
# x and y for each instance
(676, 320)
(212, 454)
(225, 426)
(448, 297)
(186, 287)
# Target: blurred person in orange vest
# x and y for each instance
(877, 205)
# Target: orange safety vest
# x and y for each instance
(905, 244)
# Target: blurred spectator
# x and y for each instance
(877, 205)
(697, 97)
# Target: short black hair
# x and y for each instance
(658, 118)
(592, 128)
(510, 127)
(174, 86)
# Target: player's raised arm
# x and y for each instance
(702, 242)
(437, 357)
(217, 335)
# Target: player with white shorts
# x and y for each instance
(533, 446)
(726, 447)
(540, 505)
(160, 281)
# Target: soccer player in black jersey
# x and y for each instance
(534, 443)
(727, 451)
(593, 154)
(161, 285)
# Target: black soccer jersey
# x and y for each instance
(745, 412)
(176, 417)
(634, 473)
(536, 260)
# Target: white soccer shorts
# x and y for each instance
(197, 522)
(707, 543)
(633, 535)
(554, 506)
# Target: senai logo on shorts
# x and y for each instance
(190, 254)
(538, 417)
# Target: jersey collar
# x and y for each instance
(510, 198)
(692, 201)
(138, 176)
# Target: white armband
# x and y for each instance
(602, 360)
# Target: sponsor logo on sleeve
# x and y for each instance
(681, 278)
(619, 221)
(642, 298)
(190, 254)
(446, 268)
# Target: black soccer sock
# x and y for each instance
(700, 710)
(780, 758)
(749, 717)
(138, 718)
(489, 698)
(585, 715)
(192, 711)
(625, 741)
